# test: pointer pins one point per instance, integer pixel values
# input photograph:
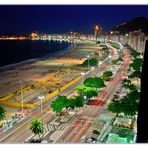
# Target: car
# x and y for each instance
(44, 141)
(92, 140)
(96, 132)
(35, 141)
(116, 94)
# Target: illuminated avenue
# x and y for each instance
(85, 88)
(78, 124)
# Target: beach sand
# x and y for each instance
(50, 73)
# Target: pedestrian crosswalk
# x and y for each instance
(62, 126)
(50, 127)
(91, 118)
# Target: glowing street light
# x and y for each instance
(88, 60)
(41, 98)
(83, 74)
(92, 68)
(111, 32)
(110, 56)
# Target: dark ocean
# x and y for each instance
(14, 51)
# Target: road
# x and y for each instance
(89, 113)
(75, 131)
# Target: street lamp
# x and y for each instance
(41, 98)
(88, 60)
(111, 32)
(82, 74)
(22, 101)
(110, 56)
(92, 68)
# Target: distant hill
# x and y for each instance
(139, 23)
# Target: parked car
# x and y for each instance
(92, 140)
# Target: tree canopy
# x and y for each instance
(59, 103)
(2, 113)
(107, 75)
(117, 46)
(114, 62)
(127, 105)
(37, 127)
(79, 101)
(87, 91)
(63, 102)
(72, 103)
(120, 58)
(127, 81)
(137, 64)
(133, 52)
(96, 82)
(129, 86)
(91, 62)
(135, 74)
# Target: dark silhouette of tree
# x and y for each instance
(142, 122)
(137, 64)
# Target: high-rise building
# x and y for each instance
(97, 32)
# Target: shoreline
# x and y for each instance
(30, 61)
(50, 71)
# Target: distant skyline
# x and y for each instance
(21, 19)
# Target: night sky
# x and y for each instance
(60, 19)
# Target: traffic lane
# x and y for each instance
(81, 132)
(75, 131)
(28, 133)
(90, 111)
(116, 80)
(68, 132)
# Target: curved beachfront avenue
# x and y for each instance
(71, 128)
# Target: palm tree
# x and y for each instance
(37, 127)
(2, 113)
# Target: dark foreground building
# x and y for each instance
(142, 122)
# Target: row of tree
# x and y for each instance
(129, 104)
(90, 88)
(62, 102)
(87, 90)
